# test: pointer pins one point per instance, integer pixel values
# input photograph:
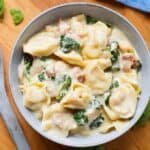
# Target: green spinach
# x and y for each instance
(17, 16)
(65, 86)
(68, 44)
(80, 118)
(95, 102)
(98, 100)
(96, 122)
(28, 60)
(43, 58)
(2, 8)
(90, 20)
(114, 84)
(137, 65)
(114, 51)
(41, 76)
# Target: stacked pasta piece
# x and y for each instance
(80, 76)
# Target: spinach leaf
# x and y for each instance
(28, 60)
(2, 8)
(43, 58)
(80, 118)
(114, 51)
(145, 117)
(90, 20)
(137, 65)
(65, 86)
(68, 44)
(109, 25)
(114, 68)
(41, 76)
(114, 84)
(17, 16)
(96, 122)
(98, 100)
(95, 102)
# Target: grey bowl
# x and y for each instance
(105, 14)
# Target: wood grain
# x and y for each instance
(135, 139)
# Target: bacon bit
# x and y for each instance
(128, 57)
(81, 78)
(128, 61)
(50, 73)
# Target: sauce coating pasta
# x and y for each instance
(80, 76)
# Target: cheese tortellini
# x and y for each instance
(122, 102)
(35, 97)
(80, 76)
(41, 44)
(96, 78)
(78, 98)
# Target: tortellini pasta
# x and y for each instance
(79, 76)
(72, 58)
(55, 116)
(122, 102)
(96, 41)
(78, 97)
(35, 97)
(124, 43)
(41, 44)
(96, 78)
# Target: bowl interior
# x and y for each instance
(100, 13)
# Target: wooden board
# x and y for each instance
(135, 139)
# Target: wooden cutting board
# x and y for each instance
(135, 139)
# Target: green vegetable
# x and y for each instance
(90, 20)
(43, 58)
(114, 68)
(17, 16)
(80, 118)
(114, 84)
(100, 147)
(28, 60)
(114, 56)
(109, 25)
(2, 8)
(95, 102)
(68, 44)
(114, 51)
(41, 76)
(98, 100)
(137, 65)
(53, 78)
(145, 117)
(64, 88)
(96, 122)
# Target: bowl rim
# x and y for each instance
(123, 131)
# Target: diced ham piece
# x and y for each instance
(50, 70)
(81, 78)
(128, 59)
